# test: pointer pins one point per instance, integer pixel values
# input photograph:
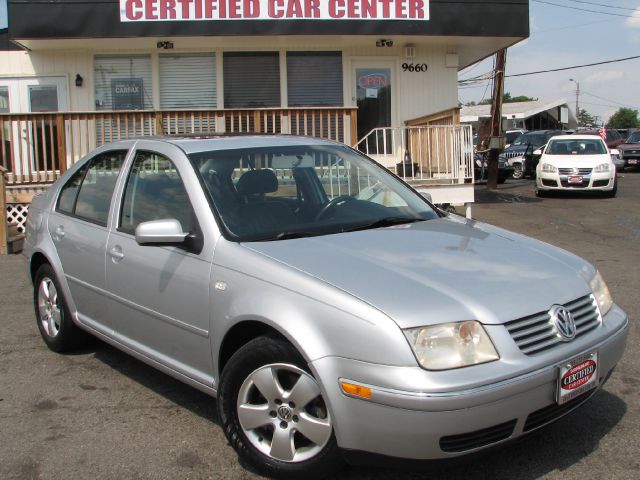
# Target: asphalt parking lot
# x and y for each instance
(101, 414)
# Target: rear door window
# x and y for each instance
(87, 194)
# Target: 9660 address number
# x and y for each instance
(414, 67)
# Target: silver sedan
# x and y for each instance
(329, 307)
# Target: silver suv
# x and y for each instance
(327, 305)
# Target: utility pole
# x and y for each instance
(495, 145)
(577, 99)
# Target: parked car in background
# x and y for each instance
(511, 135)
(519, 154)
(326, 304)
(576, 163)
(630, 150)
(612, 138)
(481, 169)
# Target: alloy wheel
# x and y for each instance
(282, 413)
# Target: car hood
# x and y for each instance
(629, 146)
(579, 161)
(441, 270)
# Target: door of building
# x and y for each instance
(373, 87)
(30, 143)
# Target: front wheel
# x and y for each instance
(272, 411)
(517, 171)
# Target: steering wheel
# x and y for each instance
(339, 200)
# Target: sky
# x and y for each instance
(563, 37)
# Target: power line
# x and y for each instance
(609, 100)
(603, 5)
(586, 10)
(573, 67)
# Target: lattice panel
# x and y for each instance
(17, 213)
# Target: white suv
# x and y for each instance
(576, 163)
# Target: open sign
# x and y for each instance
(373, 80)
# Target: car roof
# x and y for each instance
(210, 142)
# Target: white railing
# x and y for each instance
(441, 154)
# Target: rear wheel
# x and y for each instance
(273, 414)
(52, 314)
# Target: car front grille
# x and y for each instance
(512, 154)
(479, 438)
(549, 183)
(537, 333)
(570, 171)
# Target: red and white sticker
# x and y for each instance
(577, 376)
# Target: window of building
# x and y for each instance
(43, 98)
(123, 82)
(4, 99)
(314, 79)
(187, 81)
(251, 79)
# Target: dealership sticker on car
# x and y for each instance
(575, 179)
(577, 376)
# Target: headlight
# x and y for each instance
(547, 167)
(603, 167)
(451, 345)
(602, 294)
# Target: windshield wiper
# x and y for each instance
(296, 234)
(384, 222)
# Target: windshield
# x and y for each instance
(576, 147)
(633, 138)
(534, 139)
(277, 193)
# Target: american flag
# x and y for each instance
(603, 133)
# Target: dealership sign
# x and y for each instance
(202, 10)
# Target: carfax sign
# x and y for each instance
(202, 10)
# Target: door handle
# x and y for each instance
(59, 232)
(116, 253)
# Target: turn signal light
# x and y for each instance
(355, 390)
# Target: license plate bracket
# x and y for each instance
(575, 179)
(576, 377)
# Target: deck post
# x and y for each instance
(4, 229)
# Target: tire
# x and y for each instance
(517, 171)
(52, 314)
(264, 373)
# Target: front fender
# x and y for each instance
(345, 328)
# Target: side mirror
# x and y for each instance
(538, 151)
(426, 196)
(165, 231)
(614, 152)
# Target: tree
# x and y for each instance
(585, 119)
(624, 118)
(507, 98)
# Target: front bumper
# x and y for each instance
(409, 416)
(595, 181)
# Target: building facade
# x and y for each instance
(77, 73)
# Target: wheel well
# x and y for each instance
(241, 334)
(37, 261)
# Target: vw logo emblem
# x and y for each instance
(575, 171)
(563, 321)
(284, 413)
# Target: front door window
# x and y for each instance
(373, 97)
